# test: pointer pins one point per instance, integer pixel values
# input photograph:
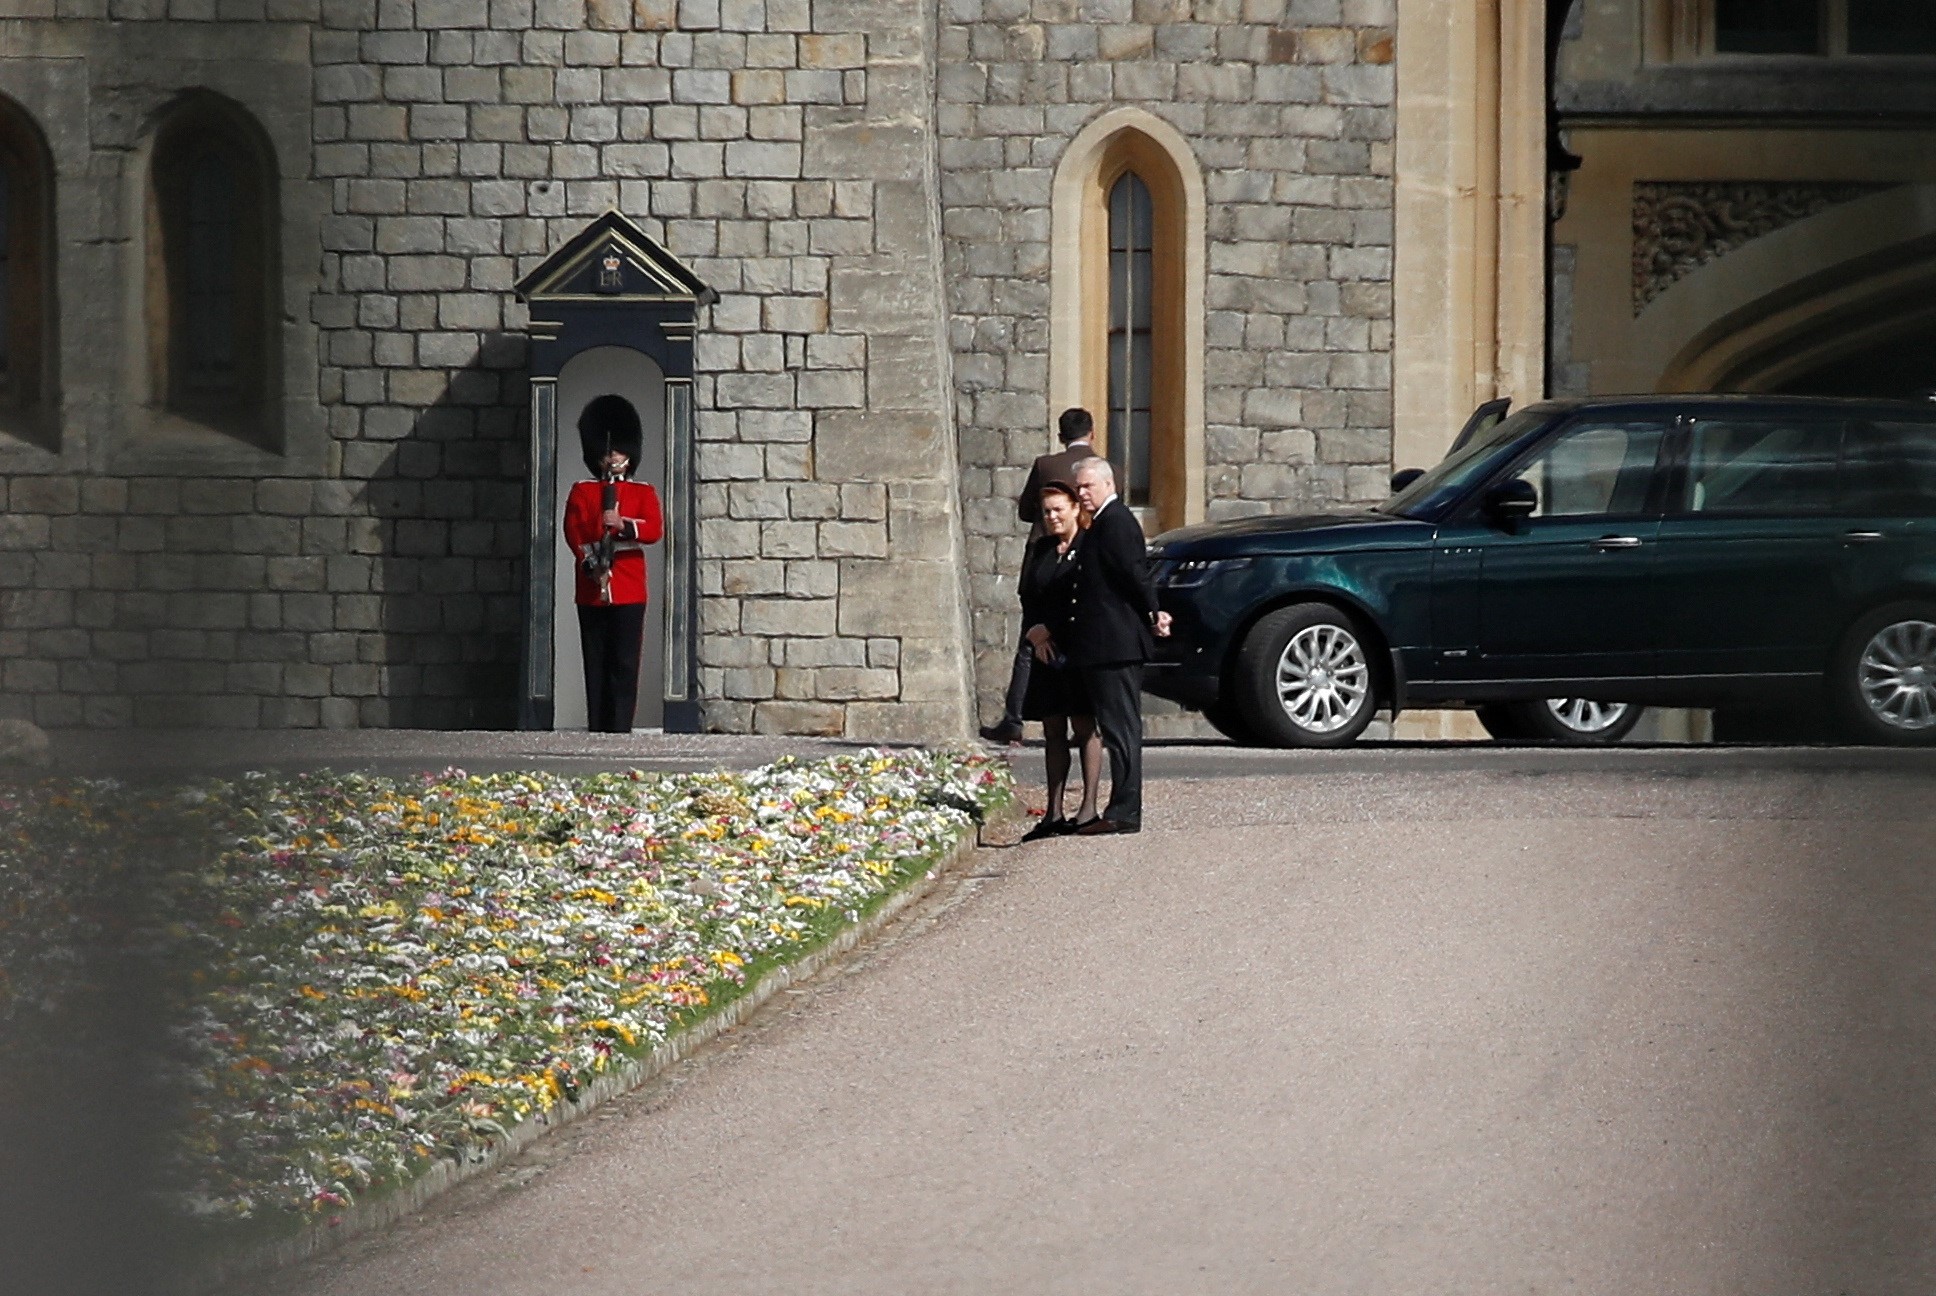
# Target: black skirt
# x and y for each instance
(1054, 691)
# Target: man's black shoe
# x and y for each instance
(1002, 733)
(1103, 827)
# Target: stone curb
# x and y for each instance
(368, 1216)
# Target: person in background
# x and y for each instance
(610, 519)
(1055, 693)
(1074, 429)
(1113, 631)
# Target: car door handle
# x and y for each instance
(1607, 544)
(1861, 537)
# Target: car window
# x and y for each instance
(1483, 420)
(1594, 470)
(1443, 484)
(1740, 466)
(1889, 469)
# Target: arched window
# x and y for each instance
(1138, 321)
(208, 357)
(1131, 335)
(212, 314)
(1127, 308)
(26, 266)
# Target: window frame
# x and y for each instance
(248, 407)
(1843, 506)
(1075, 201)
(1660, 480)
(1680, 504)
(1137, 313)
(1682, 31)
(27, 383)
(1826, 28)
(1131, 151)
(1449, 489)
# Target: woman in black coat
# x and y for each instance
(1055, 693)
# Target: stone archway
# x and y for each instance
(1842, 282)
(637, 379)
(1813, 244)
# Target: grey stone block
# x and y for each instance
(811, 618)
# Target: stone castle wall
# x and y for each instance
(432, 152)
(1288, 108)
(869, 390)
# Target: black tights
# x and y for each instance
(1055, 755)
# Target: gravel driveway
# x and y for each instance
(1595, 1024)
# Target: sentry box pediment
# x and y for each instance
(613, 262)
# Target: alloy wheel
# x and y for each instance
(1323, 679)
(1897, 676)
(1587, 717)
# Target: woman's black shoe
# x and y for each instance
(1048, 828)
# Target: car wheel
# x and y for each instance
(1501, 721)
(1580, 722)
(1304, 678)
(1229, 721)
(1883, 680)
(1798, 722)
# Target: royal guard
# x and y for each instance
(608, 522)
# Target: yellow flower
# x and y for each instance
(619, 1029)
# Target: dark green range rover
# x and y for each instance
(1577, 561)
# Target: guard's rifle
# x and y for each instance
(605, 548)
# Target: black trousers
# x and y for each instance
(1116, 691)
(611, 637)
(1018, 681)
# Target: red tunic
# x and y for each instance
(640, 525)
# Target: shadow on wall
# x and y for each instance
(387, 594)
(446, 503)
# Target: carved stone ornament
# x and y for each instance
(1681, 225)
(611, 272)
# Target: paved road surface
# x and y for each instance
(407, 751)
(1545, 1022)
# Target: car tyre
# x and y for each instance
(1882, 679)
(1305, 678)
(1229, 721)
(1501, 721)
(1577, 722)
(1799, 721)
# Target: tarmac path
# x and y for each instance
(1540, 1023)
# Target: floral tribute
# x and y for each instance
(366, 974)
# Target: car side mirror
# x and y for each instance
(1405, 477)
(1512, 501)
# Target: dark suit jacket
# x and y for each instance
(1048, 587)
(1060, 466)
(1115, 606)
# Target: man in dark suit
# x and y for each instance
(1074, 429)
(1116, 625)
